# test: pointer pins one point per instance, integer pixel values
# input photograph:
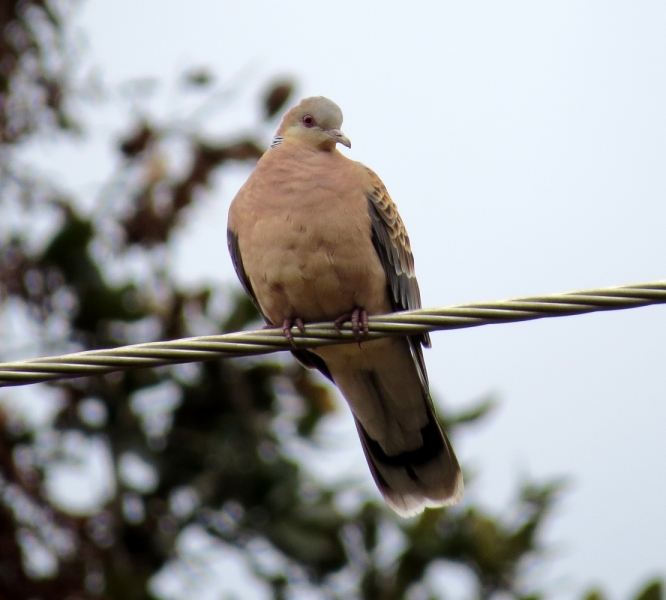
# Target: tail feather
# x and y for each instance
(409, 455)
(412, 480)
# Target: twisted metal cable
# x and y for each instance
(263, 341)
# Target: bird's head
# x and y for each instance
(314, 122)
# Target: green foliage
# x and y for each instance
(654, 590)
(34, 65)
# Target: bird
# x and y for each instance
(314, 236)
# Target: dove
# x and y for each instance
(314, 236)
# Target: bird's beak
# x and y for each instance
(339, 137)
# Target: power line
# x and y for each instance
(264, 341)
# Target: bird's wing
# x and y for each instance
(237, 261)
(391, 241)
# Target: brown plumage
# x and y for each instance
(313, 236)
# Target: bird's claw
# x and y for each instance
(287, 326)
(359, 322)
(300, 325)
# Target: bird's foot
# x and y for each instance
(359, 322)
(288, 324)
(286, 328)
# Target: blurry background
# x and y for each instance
(524, 145)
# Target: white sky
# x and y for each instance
(525, 146)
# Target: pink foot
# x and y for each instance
(359, 322)
(288, 324)
(286, 328)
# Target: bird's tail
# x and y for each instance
(415, 479)
(409, 455)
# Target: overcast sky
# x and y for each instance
(525, 145)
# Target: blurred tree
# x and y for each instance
(200, 450)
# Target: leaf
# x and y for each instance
(654, 590)
(135, 143)
(198, 78)
(470, 415)
(594, 594)
(318, 401)
(276, 97)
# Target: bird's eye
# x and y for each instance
(308, 121)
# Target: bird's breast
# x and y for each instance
(308, 253)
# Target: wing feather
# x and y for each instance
(237, 261)
(391, 241)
